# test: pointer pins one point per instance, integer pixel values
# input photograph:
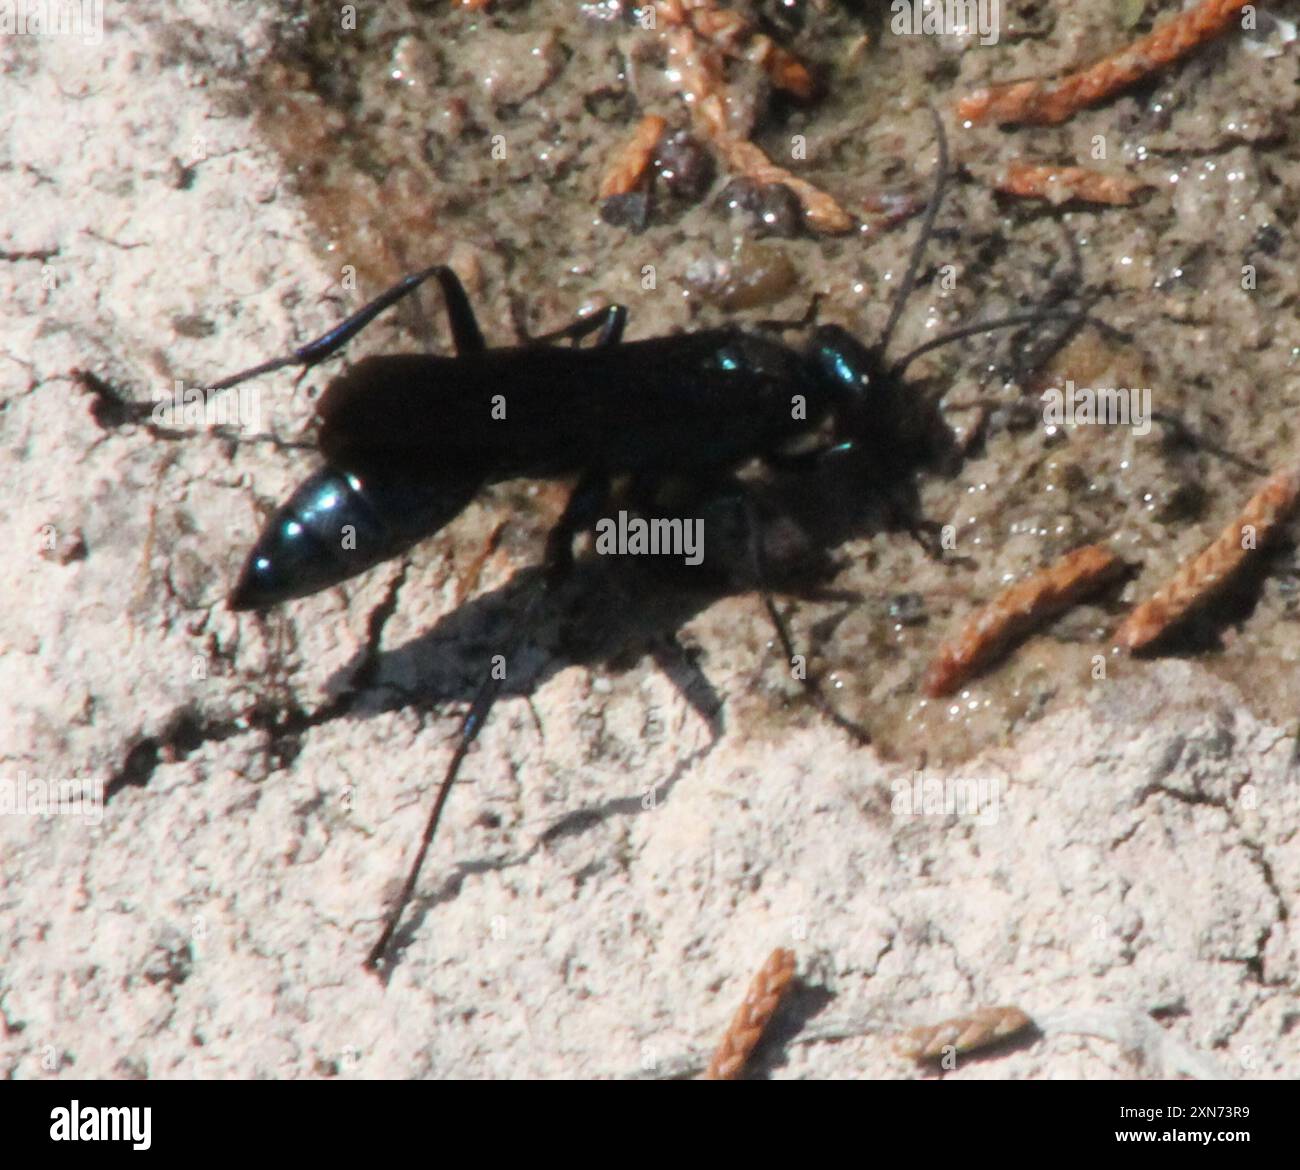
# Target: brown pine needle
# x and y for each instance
(1017, 610)
(1047, 103)
(784, 70)
(746, 1028)
(699, 71)
(633, 159)
(982, 1028)
(1202, 576)
(728, 31)
(1061, 184)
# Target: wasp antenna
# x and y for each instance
(1032, 318)
(927, 230)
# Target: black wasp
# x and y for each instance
(409, 439)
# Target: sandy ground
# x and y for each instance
(652, 807)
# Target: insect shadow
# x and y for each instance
(605, 615)
(612, 613)
(664, 424)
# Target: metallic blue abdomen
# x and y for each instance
(338, 524)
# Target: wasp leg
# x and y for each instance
(812, 688)
(615, 320)
(584, 506)
(730, 490)
(460, 314)
(609, 320)
(804, 461)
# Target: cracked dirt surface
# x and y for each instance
(651, 808)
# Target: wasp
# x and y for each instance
(408, 440)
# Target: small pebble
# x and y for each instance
(630, 211)
(685, 167)
(773, 208)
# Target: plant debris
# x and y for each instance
(1047, 103)
(1019, 609)
(1201, 577)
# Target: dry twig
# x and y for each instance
(728, 31)
(1061, 184)
(746, 1027)
(633, 160)
(1046, 103)
(700, 71)
(1200, 578)
(1017, 610)
(982, 1028)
